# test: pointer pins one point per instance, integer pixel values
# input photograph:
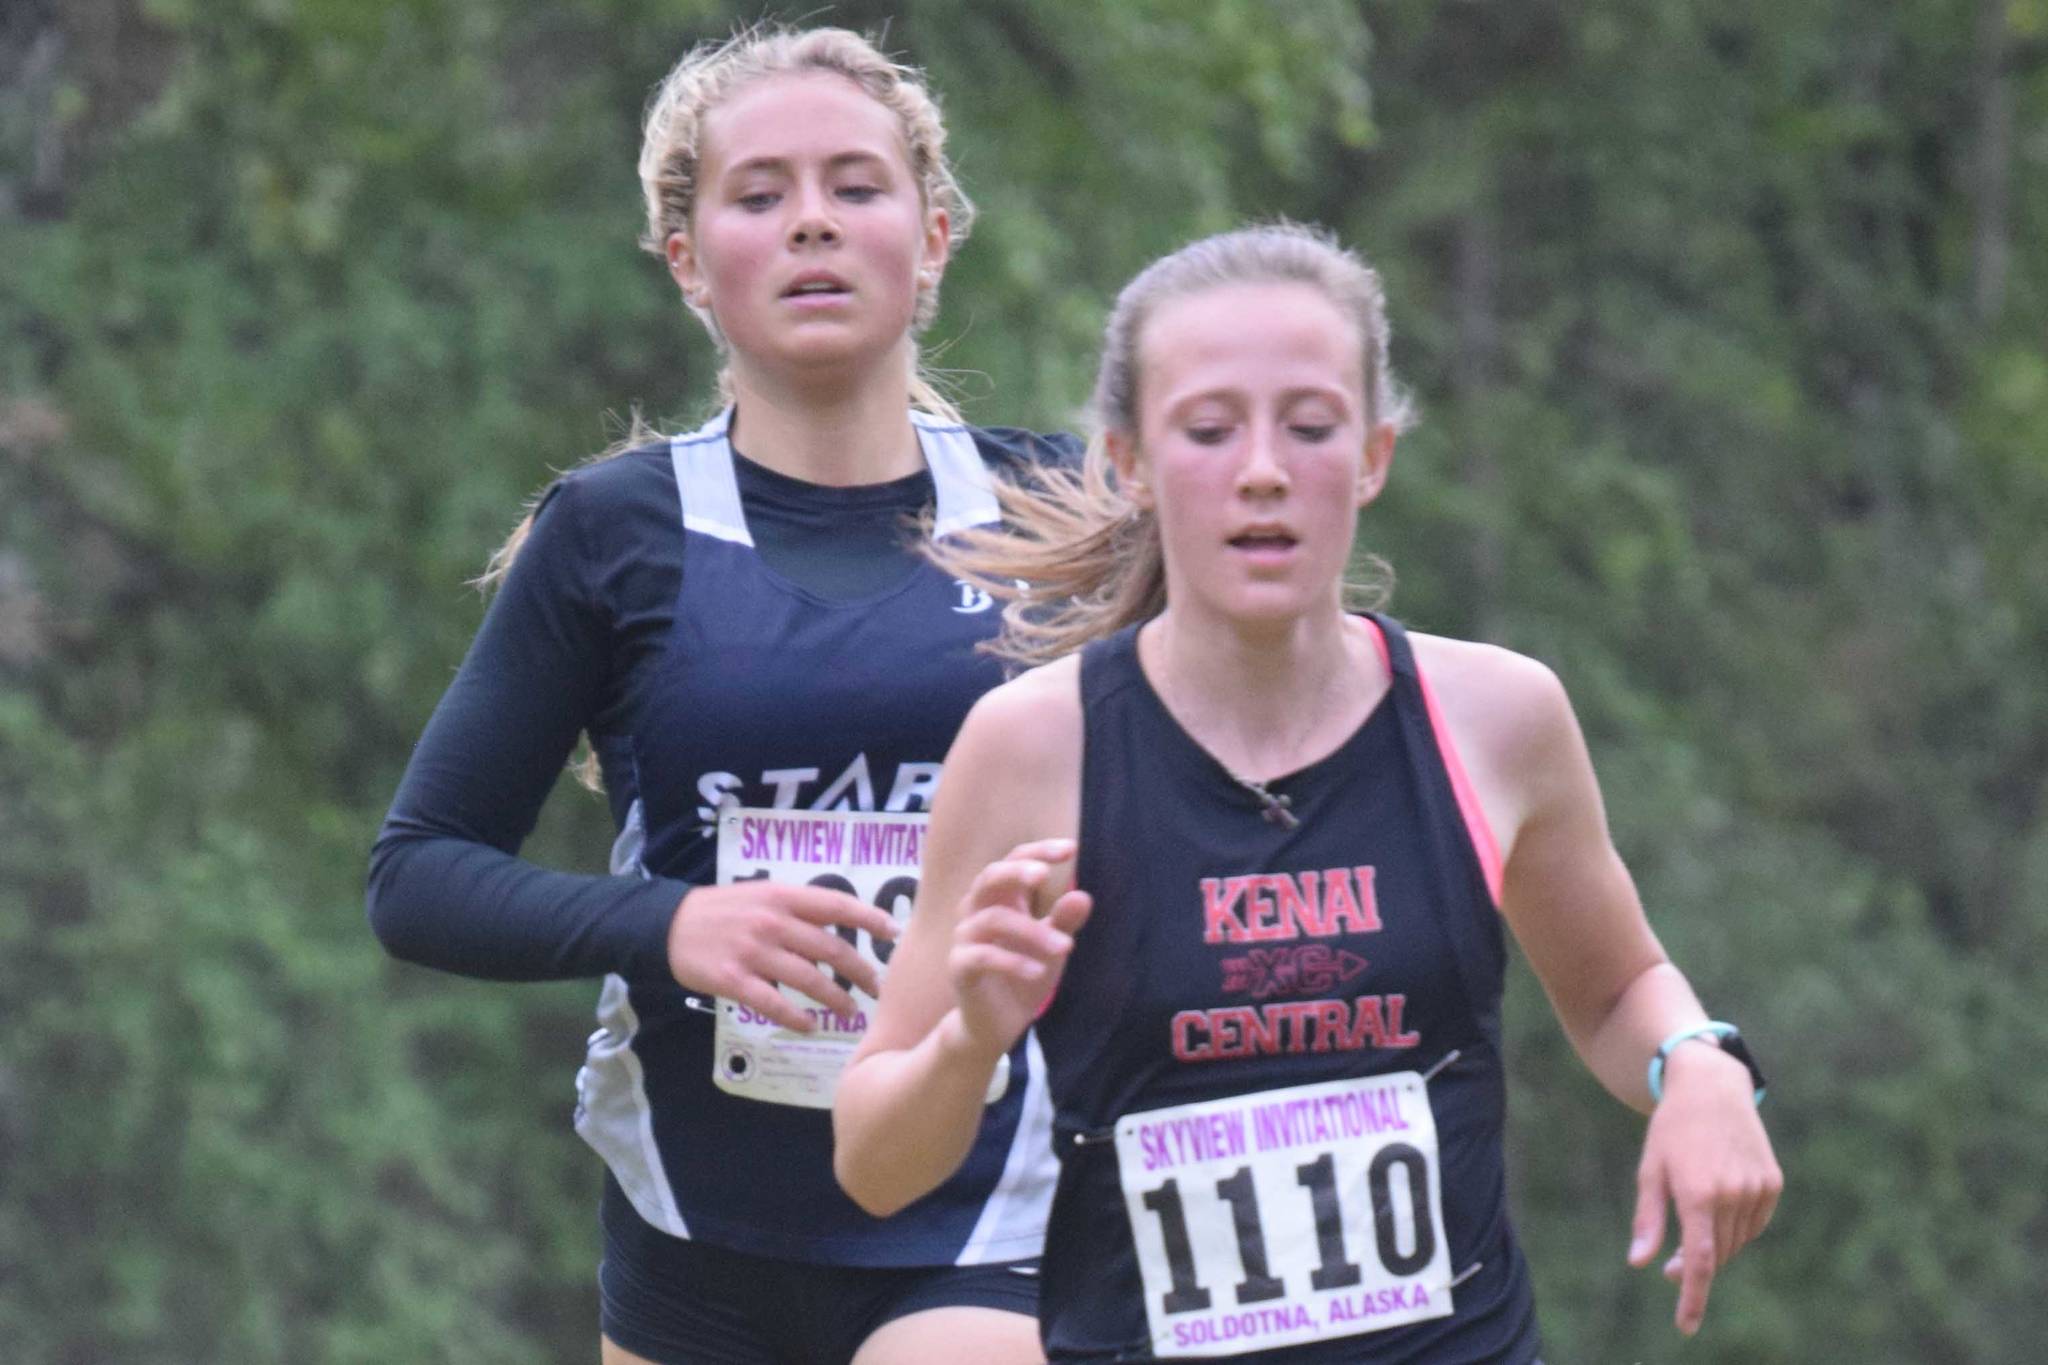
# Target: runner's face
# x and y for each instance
(810, 233)
(1254, 448)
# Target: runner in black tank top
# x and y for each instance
(1268, 992)
(1359, 940)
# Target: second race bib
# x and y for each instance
(873, 855)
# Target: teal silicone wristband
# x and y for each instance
(1714, 1029)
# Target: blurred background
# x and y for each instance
(1726, 322)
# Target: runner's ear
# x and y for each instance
(1122, 449)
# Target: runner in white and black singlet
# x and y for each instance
(769, 673)
(1245, 859)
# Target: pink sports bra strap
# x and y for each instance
(1476, 824)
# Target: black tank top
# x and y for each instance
(1275, 1055)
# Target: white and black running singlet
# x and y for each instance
(754, 719)
(1275, 1053)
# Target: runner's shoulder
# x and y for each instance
(1467, 673)
(1031, 723)
(634, 479)
(1505, 709)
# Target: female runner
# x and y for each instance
(769, 674)
(1292, 835)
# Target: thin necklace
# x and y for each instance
(1276, 808)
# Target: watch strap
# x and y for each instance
(1724, 1036)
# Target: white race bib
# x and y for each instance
(1287, 1216)
(870, 854)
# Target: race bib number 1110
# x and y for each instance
(1286, 1216)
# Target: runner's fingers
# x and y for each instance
(1757, 1210)
(988, 923)
(1012, 882)
(1767, 1204)
(833, 953)
(1042, 850)
(1020, 934)
(1696, 1255)
(1070, 912)
(1647, 1228)
(822, 905)
(1731, 1212)
(792, 970)
(981, 960)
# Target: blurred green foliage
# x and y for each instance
(1725, 324)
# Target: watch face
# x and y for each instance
(1739, 1050)
(1723, 1036)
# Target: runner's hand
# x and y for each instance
(1707, 1154)
(743, 940)
(1012, 942)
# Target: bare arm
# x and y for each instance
(1573, 907)
(983, 949)
(1566, 895)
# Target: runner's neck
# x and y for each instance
(840, 436)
